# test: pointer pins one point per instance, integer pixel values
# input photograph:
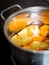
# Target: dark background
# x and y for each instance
(4, 45)
(23, 3)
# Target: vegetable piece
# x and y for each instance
(44, 46)
(12, 26)
(16, 40)
(45, 20)
(23, 33)
(22, 15)
(30, 30)
(47, 41)
(26, 47)
(34, 45)
(44, 30)
(18, 24)
(44, 17)
(25, 38)
(37, 38)
(39, 45)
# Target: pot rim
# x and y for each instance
(13, 15)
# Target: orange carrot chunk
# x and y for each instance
(18, 24)
(44, 30)
(37, 38)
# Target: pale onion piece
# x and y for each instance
(34, 45)
(16, 40)
(44, 45)
(39, 45)
(23, 35)
(26, 40)
(28, 31)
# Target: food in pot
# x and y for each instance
(44, 17)
(27, 35)
(19, 22)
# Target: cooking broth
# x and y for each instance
(30, 31)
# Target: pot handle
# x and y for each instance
(16, 5)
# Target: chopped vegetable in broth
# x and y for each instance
(28, 35)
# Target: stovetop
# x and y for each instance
(5, 56)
